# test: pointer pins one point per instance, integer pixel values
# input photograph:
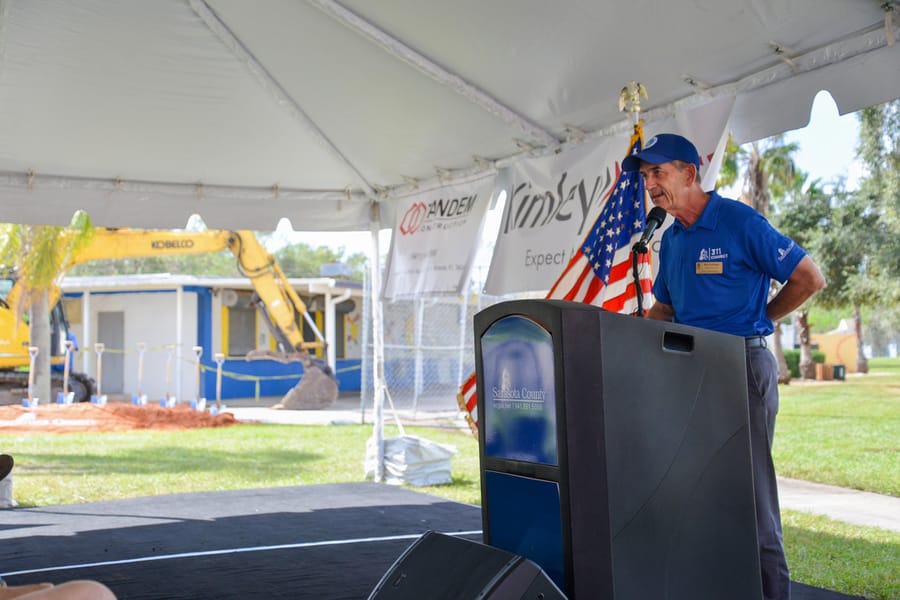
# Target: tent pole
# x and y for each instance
(377, 349)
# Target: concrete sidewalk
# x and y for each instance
(849, 506)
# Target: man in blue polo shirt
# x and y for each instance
(716, 264)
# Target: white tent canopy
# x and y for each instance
(145, 112)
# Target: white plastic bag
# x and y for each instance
(411, 459)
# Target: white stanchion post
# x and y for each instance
(198, 352)
(32, 353)
(142, 347)
(220, 358)
(99, 347)
(62, 397)
(167, 400)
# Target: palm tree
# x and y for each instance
(769, 170)
(37, 254)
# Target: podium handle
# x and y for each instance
(674, 341)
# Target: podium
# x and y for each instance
(615, 452)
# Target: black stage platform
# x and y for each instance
(323, 541)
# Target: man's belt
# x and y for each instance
(756, 341)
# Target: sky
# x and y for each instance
(827, 147)
(828, 143)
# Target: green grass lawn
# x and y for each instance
(845, 434)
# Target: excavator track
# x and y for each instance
(80, 383)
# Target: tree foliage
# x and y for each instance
(35, 255)
(768, 170)
(879, 150)
(859, 244)
(302, 260)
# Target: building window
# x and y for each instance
(241, 328)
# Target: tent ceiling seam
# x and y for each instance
(435, 71)
(31, 181)
(271, 85)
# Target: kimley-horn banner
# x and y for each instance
(552, 202)
(434, 240)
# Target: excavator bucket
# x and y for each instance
(317, 389)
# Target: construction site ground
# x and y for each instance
(119, 414)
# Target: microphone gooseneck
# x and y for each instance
(655, 218)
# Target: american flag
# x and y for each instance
(600, 272)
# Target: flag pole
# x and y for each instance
(630, 101)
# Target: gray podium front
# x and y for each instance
(615, 452)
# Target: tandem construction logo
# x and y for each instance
(443, 213)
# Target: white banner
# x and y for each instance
(434, 240)
(552, 202)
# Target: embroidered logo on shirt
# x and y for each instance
(712, 254)
(783, 252)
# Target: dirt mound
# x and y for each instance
(315, 391)
(57, 418)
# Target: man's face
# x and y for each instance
(665, 184)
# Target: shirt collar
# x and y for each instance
(708, 218)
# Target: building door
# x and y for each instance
(111, 332)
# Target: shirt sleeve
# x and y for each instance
(773, 253)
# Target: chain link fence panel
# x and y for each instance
(428, 350)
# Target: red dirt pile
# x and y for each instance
(57, 418)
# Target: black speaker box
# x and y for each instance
(444, 567)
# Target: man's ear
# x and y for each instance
(693, 174)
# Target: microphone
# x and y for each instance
(655, 218)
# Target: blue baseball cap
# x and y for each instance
(663, 148)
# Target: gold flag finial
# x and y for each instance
(630, 98)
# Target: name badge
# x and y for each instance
(709, 268)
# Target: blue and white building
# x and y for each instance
(165, 335)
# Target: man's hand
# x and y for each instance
(661, 312)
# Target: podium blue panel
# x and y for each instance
(526, 519)
(640, 427)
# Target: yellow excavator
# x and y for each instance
(283, 310)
